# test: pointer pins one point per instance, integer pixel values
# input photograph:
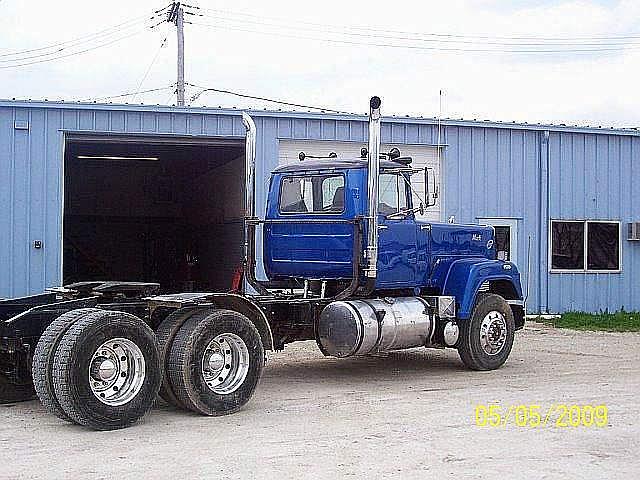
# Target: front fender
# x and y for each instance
(465, 276)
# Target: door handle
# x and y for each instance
(383, 227)
(425, 227)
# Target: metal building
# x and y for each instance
(155, 193)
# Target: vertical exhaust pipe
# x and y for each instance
(373, 187)
(249, 175)
(250, 205)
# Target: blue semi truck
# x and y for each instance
(347, 263)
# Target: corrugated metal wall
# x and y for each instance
(489, 170)
(31, 163)
(596, 177)
(494, 172)
(504, 172)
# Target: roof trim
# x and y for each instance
(336, 164)
(321, 115)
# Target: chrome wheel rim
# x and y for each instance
(117, 371)
(493, 333)
(225, 363)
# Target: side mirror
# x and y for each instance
(431, 188)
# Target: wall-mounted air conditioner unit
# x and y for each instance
(634, 231)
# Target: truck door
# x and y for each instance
(397, 258)
(309, 245)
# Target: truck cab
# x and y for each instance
(309, 236)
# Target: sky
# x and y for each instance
(311, 53)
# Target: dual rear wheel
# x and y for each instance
(104, 369)
(213, 362)
(97, 368)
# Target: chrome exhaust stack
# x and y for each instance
(373, 187)
(250, 166)
(249, 263)
(249, 179)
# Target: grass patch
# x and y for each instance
(610, 322)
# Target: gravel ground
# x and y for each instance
(403, 415)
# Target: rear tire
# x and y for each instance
(43, 360)
(165, 334)
(107, 370)
(487, 337)
(216, 361)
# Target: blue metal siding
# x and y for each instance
(592, 178)
(490, 170)
(31, 164)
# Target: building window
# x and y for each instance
(603, 246)
(590, 246)
(567, 245)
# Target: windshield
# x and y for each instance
(393, 194)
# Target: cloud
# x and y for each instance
(568, 88)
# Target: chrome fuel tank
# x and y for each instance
(361, 327)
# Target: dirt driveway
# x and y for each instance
(405, 415)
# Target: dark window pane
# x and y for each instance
(603, 246)
(503, 243)
(567, 245)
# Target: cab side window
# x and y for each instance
(393, 194)
(296, 195)
(312, 194)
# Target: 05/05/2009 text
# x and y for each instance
(535, 416)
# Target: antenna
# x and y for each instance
(440, 126)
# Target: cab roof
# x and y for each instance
(337, 164)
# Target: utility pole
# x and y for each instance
(180, 31)
(176, 16)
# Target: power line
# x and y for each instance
(111, 42)
(253, 97)
(153, 61)
(288, 21)
(55, 53)
(79, 40)
(432, 38)
(122, 95)
(410, 46)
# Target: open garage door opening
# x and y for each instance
(153, 210)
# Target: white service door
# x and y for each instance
(422, 156)
(506, 237)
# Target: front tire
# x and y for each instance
(216, 361)
(487, 337)
(107, 370)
